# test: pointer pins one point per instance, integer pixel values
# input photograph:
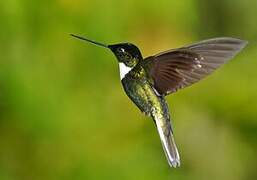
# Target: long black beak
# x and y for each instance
(91, 41)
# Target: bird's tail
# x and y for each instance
(168, 143)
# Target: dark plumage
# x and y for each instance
(147, 81)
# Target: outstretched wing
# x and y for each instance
(175, 69)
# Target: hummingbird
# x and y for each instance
(147, 81)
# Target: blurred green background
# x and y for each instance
(63, 112)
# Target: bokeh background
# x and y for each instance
(63, 112)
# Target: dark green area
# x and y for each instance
(63, 112)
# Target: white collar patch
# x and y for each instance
(123, 70)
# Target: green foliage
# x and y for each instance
(63, 112)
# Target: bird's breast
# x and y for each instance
(139, 90)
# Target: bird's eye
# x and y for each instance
(121, 50)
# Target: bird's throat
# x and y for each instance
(123, 70)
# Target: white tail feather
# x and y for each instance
(168, 142)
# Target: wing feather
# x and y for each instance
(178, 68)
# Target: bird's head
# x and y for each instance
(126, 53)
